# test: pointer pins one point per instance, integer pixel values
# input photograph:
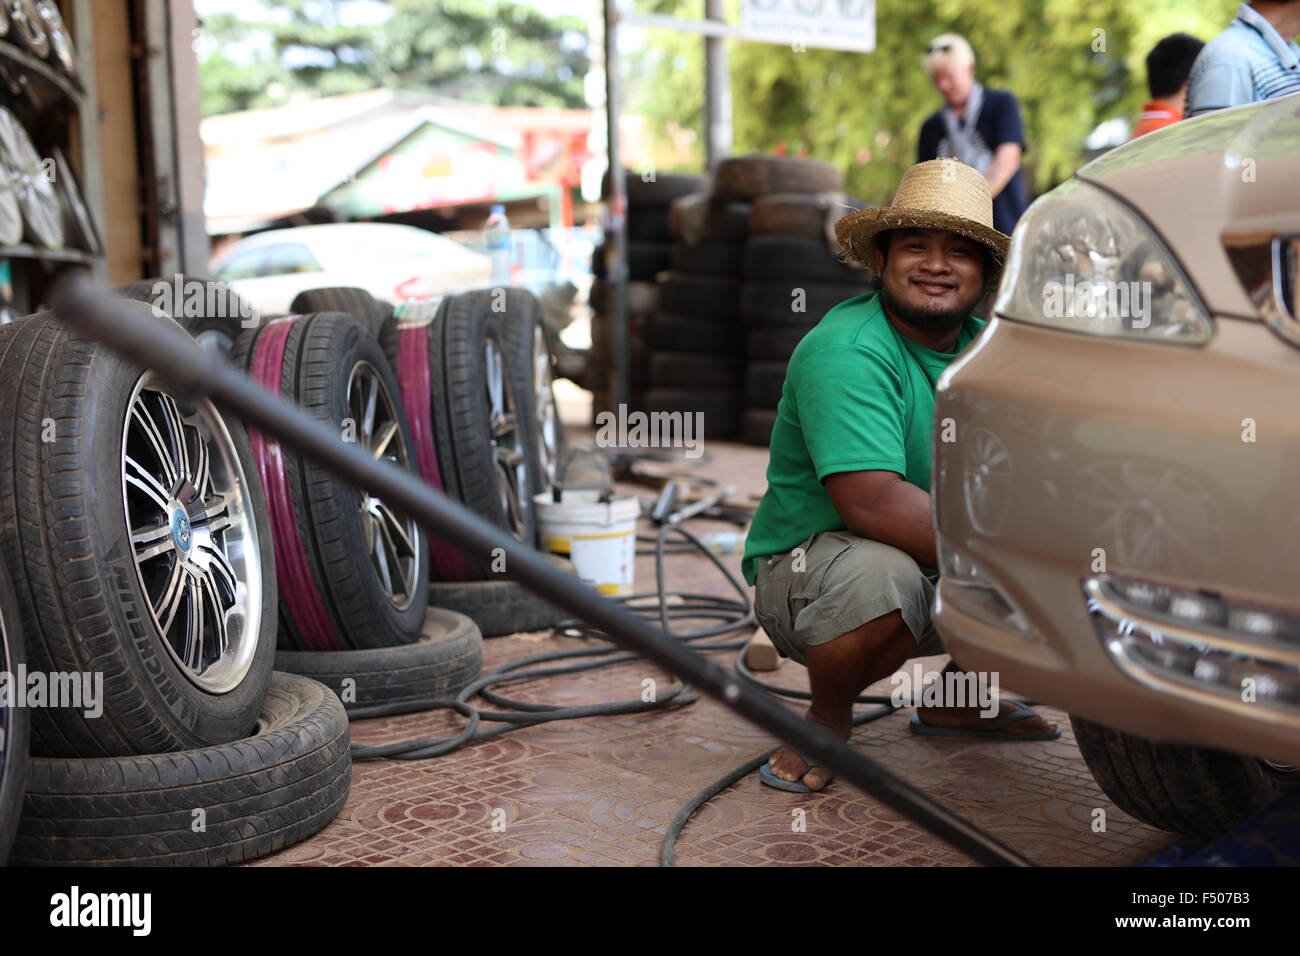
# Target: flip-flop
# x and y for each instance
(767, 776)
(994, 730)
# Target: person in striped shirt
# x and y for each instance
(1255, 58)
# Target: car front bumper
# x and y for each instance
(1063, 461)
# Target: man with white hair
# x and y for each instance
(979, 126)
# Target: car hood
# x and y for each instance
(1229, 172)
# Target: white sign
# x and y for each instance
(828, 24)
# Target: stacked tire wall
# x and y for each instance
(649, 252)
(792, 271)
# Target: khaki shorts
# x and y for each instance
(835, 582)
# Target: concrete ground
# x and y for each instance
(602, 791)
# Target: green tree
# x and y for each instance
(1072, 66)
(493, 52)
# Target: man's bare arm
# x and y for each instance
(881, 506)
(1006, 161)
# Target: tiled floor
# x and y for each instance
(602, 791)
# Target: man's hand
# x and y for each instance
(881, 506)
(1006, 161)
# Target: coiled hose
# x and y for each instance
(731, 614)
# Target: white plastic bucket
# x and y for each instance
(599, 538)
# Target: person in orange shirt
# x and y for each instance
(1169, 64)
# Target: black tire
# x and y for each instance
(520, 316)
(672, 333)
(602, 400)
(756, 426)
(642, 298)
(708, 297)
(721, 408)
(777, 303)
(699, 218)
(215, 319)
(709, 258)
(1192, 791)
(649, 223)
(763, 384)
(660, 190)
(645, 260)
(638, 365)
(689, 370)
(333, 593)
(500, 607)
(796, 259)
(800, 214)
(15, 729)
(349, 300)
(448, 655)
(66, 538)
(775, 343)
(462, 418)
(748, 177)
(258, 795)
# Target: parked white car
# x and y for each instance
(393, 263)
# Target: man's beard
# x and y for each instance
(924, 320)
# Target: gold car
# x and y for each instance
(1117, 468)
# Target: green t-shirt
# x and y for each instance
(858, 397)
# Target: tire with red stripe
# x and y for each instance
(352, 571)
(479, 411)
(406, 343)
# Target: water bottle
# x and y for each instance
(497, 234)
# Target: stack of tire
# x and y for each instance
(137, 539)
(792, 268)
(471, 384)
(650, 251)
(697, 351)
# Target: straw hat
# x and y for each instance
(938, 194)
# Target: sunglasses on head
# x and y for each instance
(940, 48)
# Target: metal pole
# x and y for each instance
(169, 351)
(717, 93)
(616, 237)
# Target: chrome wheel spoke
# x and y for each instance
(172, 597)
(212, 591)
(192, 647)
(176, 426)
(380, 552)
(371, 406)
(148, 427)
(218, 565)
(139, 477)
(393, 530)
(384, 440)
(202, 476)
(150, 542)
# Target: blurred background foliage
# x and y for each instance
(1072, 65)
(863, 111)
(492, 52)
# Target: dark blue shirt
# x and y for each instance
(998, 123)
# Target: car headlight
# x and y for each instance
(1083, 261)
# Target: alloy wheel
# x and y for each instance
(392, 539)
(548, 413)
(506, 439)
(193, 535)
